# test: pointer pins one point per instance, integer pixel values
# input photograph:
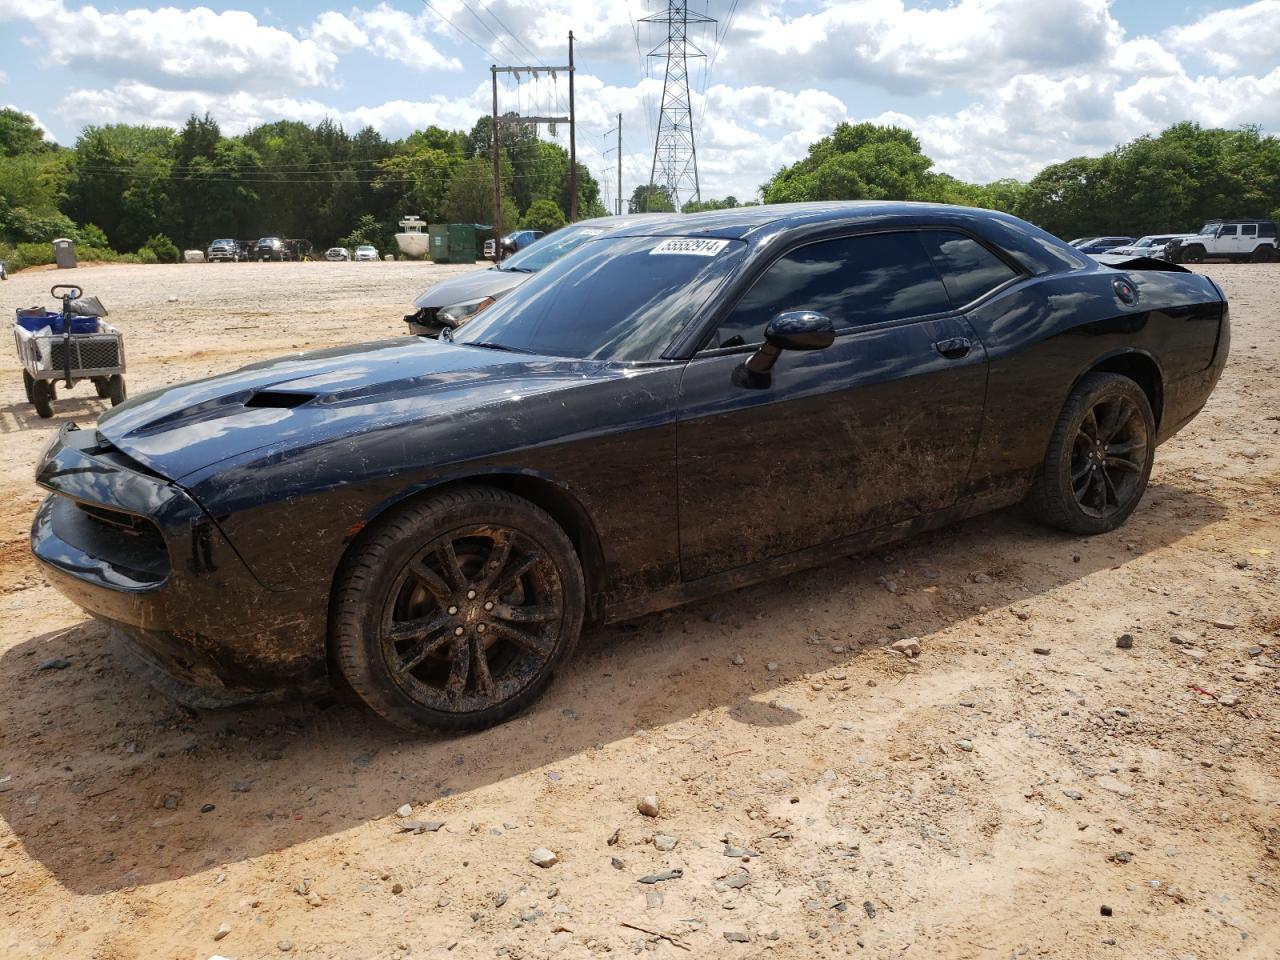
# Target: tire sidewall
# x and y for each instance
(1093, 390)
(388, 549)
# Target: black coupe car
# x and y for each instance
(679, 407)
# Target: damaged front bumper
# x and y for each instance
(135, 550)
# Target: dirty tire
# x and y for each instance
(100, 386)
(453, 613)
(28, 382)
(116, 391)
(1262, 254)
(1099, 458)
(42, 396)
(1193, 254)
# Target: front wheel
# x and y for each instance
(28, 382)
(455, 611)
(1099, 458)
(1193, 254)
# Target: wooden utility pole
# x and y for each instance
(497, 171)
(618, 131)
(573, 143)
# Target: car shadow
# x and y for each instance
(109, 785)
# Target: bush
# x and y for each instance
(147, 255)
(92, 236)
(34, 254)
(164, 249)
(544, 215)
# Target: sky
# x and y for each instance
(993, 88)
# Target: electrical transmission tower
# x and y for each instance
(675, 156)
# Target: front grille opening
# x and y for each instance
(127, 543)
(126, 523)
(278, 399)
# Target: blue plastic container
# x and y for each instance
(54, 320)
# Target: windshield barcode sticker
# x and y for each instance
(691, 247)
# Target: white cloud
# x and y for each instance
(395, 35)
(221, 50)
(916, 50)
(1237, 39)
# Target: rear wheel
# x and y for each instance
(116, 391)
(1263, 254)
(1099, 458)
(42, 397)
(454, 612)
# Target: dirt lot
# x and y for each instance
(985, 800)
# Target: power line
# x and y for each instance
(475, 16)
(515, 36)
(478, 46)
(711, 64)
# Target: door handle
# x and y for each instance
(955, 348)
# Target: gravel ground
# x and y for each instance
(818, 795)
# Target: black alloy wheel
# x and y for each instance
(453, 613)
(1109, 456)
(1099, 458)
(471, 618)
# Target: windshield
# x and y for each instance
(1209, 229)
(549, 249)
(622, 298)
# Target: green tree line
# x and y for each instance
(1174, 180)
(139, 188)
(135, 188)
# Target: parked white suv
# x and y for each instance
(1253, 240)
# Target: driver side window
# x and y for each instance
(856, 281)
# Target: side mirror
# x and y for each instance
(790, 330)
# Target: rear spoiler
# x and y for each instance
(1122, 262)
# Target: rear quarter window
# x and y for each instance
(967, 268)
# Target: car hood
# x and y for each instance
(308, 399)
(473, 285)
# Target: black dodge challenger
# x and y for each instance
(679, 407)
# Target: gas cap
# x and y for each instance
(1126, 291)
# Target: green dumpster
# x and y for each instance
(452, 242)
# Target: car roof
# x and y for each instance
(1036, 250)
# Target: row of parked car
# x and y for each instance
(279, 249)
(1248, 240)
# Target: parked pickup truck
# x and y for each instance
(1251, 240)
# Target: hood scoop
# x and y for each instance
(278, 399)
